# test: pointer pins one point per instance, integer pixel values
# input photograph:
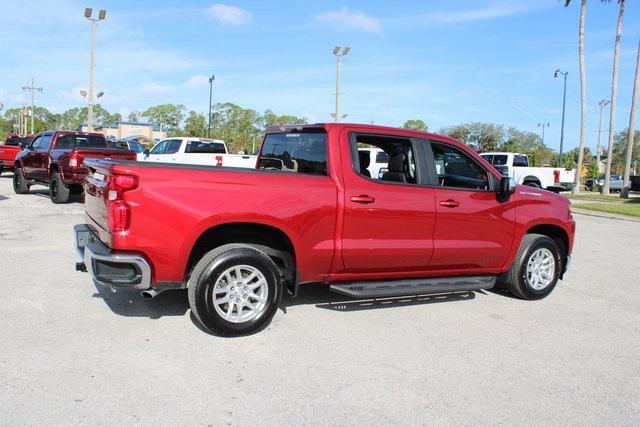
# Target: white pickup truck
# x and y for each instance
(197, 151)
(516, 166)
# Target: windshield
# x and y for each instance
(66, 141)
(295, 152)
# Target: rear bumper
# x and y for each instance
(107, 268)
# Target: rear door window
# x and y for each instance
(208, 147)
(172, 147)
(304, 152)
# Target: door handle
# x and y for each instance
(450, 203)
(363, 198)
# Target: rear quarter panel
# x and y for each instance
(173, 206)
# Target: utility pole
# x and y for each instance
(211, 80)
(564, 102)
(603, 103)
(543, 125)
(339, 55)
(33, 89)
(92, 60)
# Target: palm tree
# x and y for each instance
(614, 92)
(583, 92)
(632, 128)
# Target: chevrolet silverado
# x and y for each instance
(440, 219)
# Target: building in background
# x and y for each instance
(121, 130)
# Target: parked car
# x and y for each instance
(615, 183)
(128, 144)
(10, 149)
(516, 166)
(441, 219)
(197, 151)
(374, 160)
(634, 183)
(590, 184)
(55, 159)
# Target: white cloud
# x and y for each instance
(196, 81)
(348, 18)
(229, 15)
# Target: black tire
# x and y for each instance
(532, 184)
(1, 170)
(58, 192)
(20, 185)
(516, 281)
(209, 269)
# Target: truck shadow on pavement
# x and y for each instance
(44, 192)
(129, 303)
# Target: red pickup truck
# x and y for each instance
(56, 159)
(440, 219)
(10, 149)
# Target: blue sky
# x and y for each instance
(443, 62)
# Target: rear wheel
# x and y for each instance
(1, 170)
(58, 192)
(20, 184)
(234, 290)
(536, 269)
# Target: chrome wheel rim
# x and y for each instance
(541, 269)
(240, 294)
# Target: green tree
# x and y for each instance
(73, 118)
(415, 124)
(270, 118)
(239, 127)
(43, 119)
(134, 116)
(195, 125)
(482, 137)
(167, 116)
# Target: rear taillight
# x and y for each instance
(119, 212)
(556, 176)
(73, 161)
(219, 161)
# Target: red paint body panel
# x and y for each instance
(8, 155)
(405, 232)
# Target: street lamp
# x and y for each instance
(603, 103)
(211, 80)
(339, 55)
(102, 14)
(564, 99)
(543, 125)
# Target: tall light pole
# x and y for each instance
(33, 89)
(211, 80)
(543, 125)
(603, 103)
(564, 102)
(339, 55)
(88, 12)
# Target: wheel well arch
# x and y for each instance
(271, 240)
(558, 234)
(53, 167)
(531, 178)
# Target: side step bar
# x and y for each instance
(396, 288)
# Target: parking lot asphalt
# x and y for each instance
(72, 353)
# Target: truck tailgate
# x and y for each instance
(103, 153)
(96, 189)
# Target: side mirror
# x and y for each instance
(506, 188)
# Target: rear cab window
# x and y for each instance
(70, 141)
(205, 147)
(300, 152)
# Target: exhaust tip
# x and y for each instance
(149, 293)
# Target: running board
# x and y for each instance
(396, 288)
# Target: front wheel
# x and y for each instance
(20, 184)
(234, 290)
(536, 269)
